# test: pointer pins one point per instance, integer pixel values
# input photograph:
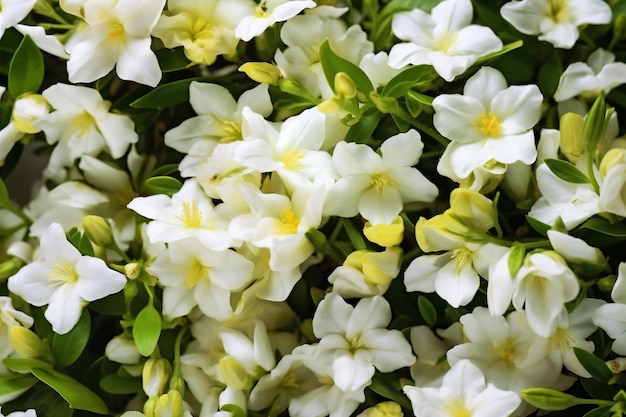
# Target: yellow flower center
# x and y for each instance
(231, 131)
(288, 222)
(196, 273)
(489, 125)
(446, 42)
(81, 124)
(291, 158)
(560, 340)
(290, 381)
(201, 30)
(261, 11)
(63, 272)
(117, 33)
(559, 11)
(192, 216)
(506, 351)
(455, 407)
(380, 182)
(461, 257)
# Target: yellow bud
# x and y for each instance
(155, 375)
(133, 270)
(473, 207)
(572, 136)
(381, 268)
(26, 343)
(233, 373)
(442, 232)
(261, 72)
(613, 157)
(170, 405)
(28, 109)
(98, 230)
(150, 405)
(386, 409)
(344, 86)
(385, 235)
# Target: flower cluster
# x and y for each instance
(312, 208)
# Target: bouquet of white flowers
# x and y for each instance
(312, 208)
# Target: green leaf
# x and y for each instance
(234, 409)
(363, 130)
(84, 246)
(549, 75)
(14, 383)
(165, 169)
(414, 76)
(539, 226)
(147, 329)
(172, 59)
(599, 412)
(505, 49)
(163, 185)
(26, 69)
(594, 365)
(76, 394)
(603, 226)
(566, 171)
(166, 95)
(427, 310)
(333, 64)
(516, 258)
(389, 389)
(68, 347)
(4, 195)
(115, 384)
(354, 235)
(24, 364)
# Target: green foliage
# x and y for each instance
(332, 64)
(147, 329)
(163, 185)
(566, 171)
(26, 70)
(67, 348)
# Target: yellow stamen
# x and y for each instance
(291, 158)
(232, 131)
(489, 125)
(288, 222)
(461, 257)
(380, 182)
(506, 351)
(559, 11)
(196, 273)
(201, 30)
(63, 272)
(561, 340)
(117, 33)
(192, 216)
(80, 124)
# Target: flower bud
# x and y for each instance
(548, 399)
(98, 230)
(594, 125)
(261, 72)
(10, 267)
(155, 375)
(344, 86)
(170, 405)
(28, 109)
(379, 268)
(474, 207)
(26, 343)
(233, 373)
(122, 350)
(386, 105)
(571, 137)
(385, 235)
(612, 158)
(607, 283)
(133, 270)
(386, 409)
(617, 365)
(440, 232)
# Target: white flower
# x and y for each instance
(600, 74)
(27, 111)
(490, 121)
(506, 350)
(543, 284)
(378, 186)
(194, 275)
(463, 392)
(429, 368)
(82, 125)
(573, 203)
(28, 413)
(445, 39)
(358, 340)
(266, 14)
(189, 213)
(9, 318)
(117, 33)
(13, 11)
(556, 21)
(204, 29)
(612, 316)
(64, 280)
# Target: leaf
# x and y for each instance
(539, 226)
(333, 64)
(26, 69)
(76, 394)
(505, 49)
(68, 347)
(549, 75)
(234, 409)
(362, 131)
(15, 383)
(172, 59)
(603, 226)
(147, 329)
(566, 171)
(115, 384)
(4, 194)
(390, 390)
(407, 79)
(427, 310)
(166, 95)
(596, 389)
(24, 364)
(84, 246)
(516, 258)
(165, 169)
(353, 234)
(594, 365)
(163, 185)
